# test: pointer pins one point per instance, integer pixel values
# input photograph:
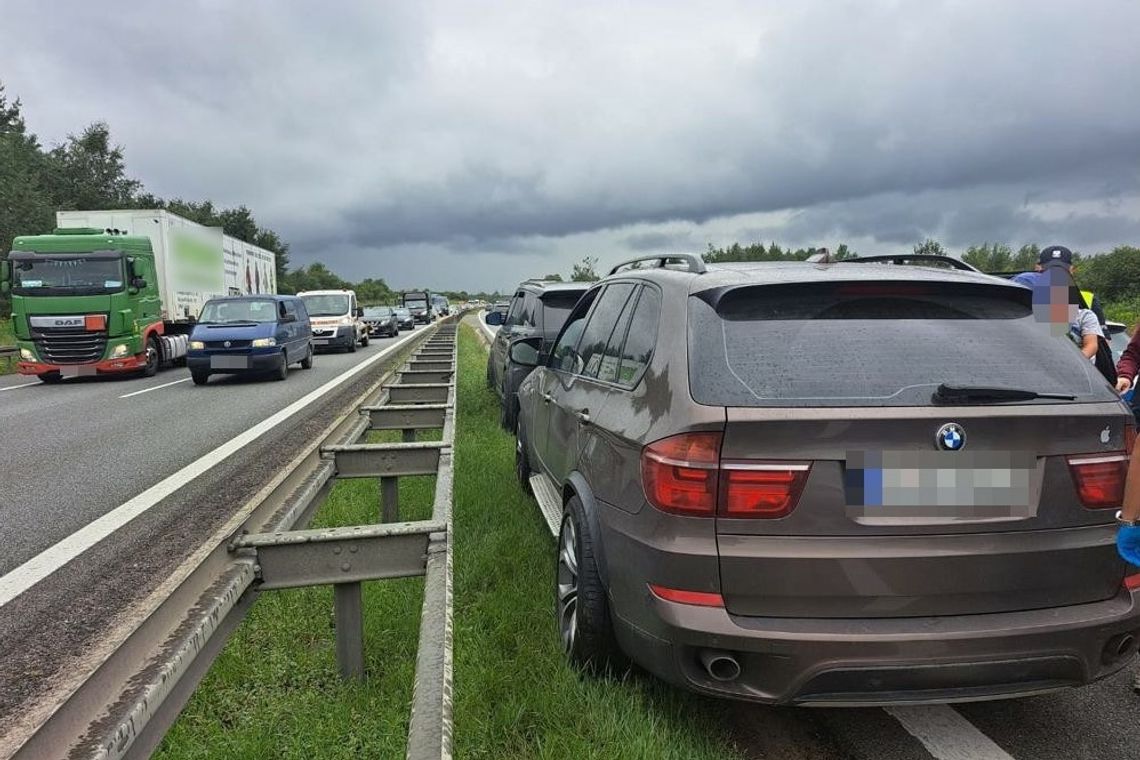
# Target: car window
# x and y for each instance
(514, 312)
(592, 347)
(527, 317)
(611, 356)
(641, 337)
(555, 309)
(876, 344)
(564, 356)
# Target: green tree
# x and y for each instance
(1026, 257)
(553, 277)
(930, 247)
(1114, 276)
(88, 172)
(585, 270)
(990, 257)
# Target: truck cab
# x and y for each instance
(419, 303)
(85, 301)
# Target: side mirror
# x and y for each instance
(525, 352)
(138, 283)
(493, 318)
(287, 318)
(360, 311)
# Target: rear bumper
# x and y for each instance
(846, 661)
(104, 367)
(382, 330)
(266, 362)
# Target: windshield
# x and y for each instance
(376, 312)
(419, 304)
(331, 305)
(238, 311)
(403, 313)
(72, 275)
(556, 308)
(820, 346)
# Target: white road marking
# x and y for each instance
(946, 734)
(22, 385)
(54, 557)
(155, 388)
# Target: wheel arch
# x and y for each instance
(576, 485)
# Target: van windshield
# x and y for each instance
(876, 344)
(238, 311)
(328, 305)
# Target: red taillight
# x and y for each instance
(1099, 479)
(1129, 438)
(1132, 582)
(696, 598)
(684, 475)
(680, 473)
(761, 489)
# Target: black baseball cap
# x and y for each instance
(1055, 256)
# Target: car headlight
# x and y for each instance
(197, 345)
(119, 351)
(345, 321)
(264, 342)
(27, 355)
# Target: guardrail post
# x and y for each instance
(349, 611)
(389, 499)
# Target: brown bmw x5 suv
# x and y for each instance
(846, 483)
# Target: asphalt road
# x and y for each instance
(76, 450)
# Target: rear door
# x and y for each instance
(850, 488)
(578, 398)
(503, 339)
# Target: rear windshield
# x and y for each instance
(556, 308)
(875, 344)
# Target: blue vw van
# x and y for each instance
(250, 334)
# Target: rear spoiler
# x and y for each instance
(919, 259)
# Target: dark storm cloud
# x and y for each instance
(444, 139)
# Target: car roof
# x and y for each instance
(256, 297)
(542, 287)
(801, 272)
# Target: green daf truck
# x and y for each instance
(112, 292)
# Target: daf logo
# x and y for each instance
(950, 437)
(72, 322)
(226, 344)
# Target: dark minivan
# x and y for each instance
(250, 334)
(539, 308)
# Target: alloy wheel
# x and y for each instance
(568, 584)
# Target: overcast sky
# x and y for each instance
(467, 145)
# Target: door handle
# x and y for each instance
(583, 416)
(547, 398)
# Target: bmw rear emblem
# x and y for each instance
(950, 437)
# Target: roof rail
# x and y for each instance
(902, 258)
(694, 264)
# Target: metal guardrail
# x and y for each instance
(9, 354)
(127, 703)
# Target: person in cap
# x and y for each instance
(1058, 256)
(1057, 300)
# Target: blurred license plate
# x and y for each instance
(320, 341)
(229, 362)
(77, 370)
(912, 482)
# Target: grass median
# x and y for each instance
(275, 693)
(7, 338)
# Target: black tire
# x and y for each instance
(307, 362)
(50, 378)
(153, 357)
(282, 371)
(200, 378)
(585, 627)
(352, 345)
(509, 411)
(522, 459)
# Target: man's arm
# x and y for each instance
(1088, 345)
(1129, 363)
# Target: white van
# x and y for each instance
(336, 318)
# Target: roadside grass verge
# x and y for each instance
(515, 695)
(275, 692)
(7, 338)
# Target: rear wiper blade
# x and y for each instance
(946, 393)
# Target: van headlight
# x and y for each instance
(119, 351)
(27, 355)
(346, 321)
(197, 345)
(264, 342)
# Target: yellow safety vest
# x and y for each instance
(1088, 297)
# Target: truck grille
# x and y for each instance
(69, 346)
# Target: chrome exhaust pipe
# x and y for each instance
(721, 666)
(1118, 647)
